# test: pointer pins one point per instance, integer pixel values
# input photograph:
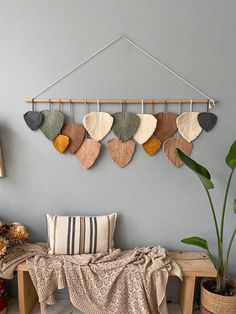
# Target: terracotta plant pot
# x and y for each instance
(3, 296)
(217, 304)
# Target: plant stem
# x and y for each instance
(228, 252)
(214, 216)
(224, 206)
(210, 256)
(220, 273)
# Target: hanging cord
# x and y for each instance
(33, 105)
(122, 103)
(87, 112)
(212, 102)
(165, 106)
(72, 114)
(168, 69)
(152, 107)
(179, 115)
(50, 104)
(59, 105)
(98, 105)
(191, 106)
(142, 106)
(190, 110)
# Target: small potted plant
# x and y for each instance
(217, 295)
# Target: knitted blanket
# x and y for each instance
(131, 281)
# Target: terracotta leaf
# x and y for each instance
(152, 146)
(166, 125)
(121, 153)
(33, 119)
(207, 120)
(146, 128)
(76, 133)
(189, 126)
(125, 125)
(52, 123)
(88, 153)
(98, 124)
(170, 146)
(61, 143)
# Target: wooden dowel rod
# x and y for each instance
(119, 101)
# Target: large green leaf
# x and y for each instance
(231, 157)
(234, 206)
(196, 241)
(202, 172)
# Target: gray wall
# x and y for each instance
(156, 203)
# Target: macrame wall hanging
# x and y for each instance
(151, 131)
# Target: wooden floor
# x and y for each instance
(65, 307)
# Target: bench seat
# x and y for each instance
(193, 265)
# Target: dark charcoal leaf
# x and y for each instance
(207, 120)
(33, 119)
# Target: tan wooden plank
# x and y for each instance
(186, 296)
(27, 295)
(195, 264)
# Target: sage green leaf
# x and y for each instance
(231, 157)
(202, 172)
(196, 241)
(125, 125)
(52, 123)
(234, 206)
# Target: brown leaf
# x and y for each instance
(166, 125)
(88, 153)
(121, 153)
(170, 146)
(76, 133)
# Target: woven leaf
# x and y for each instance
(207, 120)
(76, 133)
(188, 125)
(125, 125)
(166, 125)
(61, 143)
(152, 146)
(146, 128)
(33, 119)
(98, 124)
(121, 153)
(88, 153)
(52, 123)
(170, 146)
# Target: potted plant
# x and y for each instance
(217, 295)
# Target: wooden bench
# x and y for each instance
(193, 264)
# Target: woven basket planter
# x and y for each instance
(217, 304)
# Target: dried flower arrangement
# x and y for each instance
(11, 233)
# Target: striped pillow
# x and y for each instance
(80, 235)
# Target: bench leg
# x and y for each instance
(186, 297)
(27, 294)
